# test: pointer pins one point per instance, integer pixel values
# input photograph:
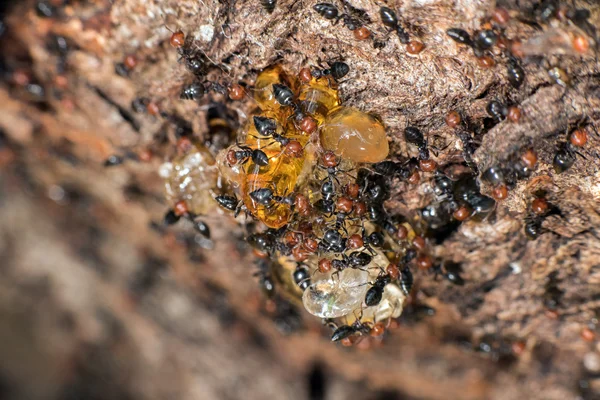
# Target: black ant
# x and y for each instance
(196, 90)
(406, 279)
(269, 5)
(337, 70)
(301, 277)
(266, 197)
(414, 136)
(344, 331)
(402, 170)
(515, 73)
(481, 41)
(230, 203)
(389, 19)
(265, 280)
(332, 241)
(267, 127)
(356, 259)
(331, 12)
(375, 293)
(451, 272)
(245, 153)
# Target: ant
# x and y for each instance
(375, 293)
(245, 153)
(402, 170)
(389, 19)
(301, 277)
(451, 272)
(265, 280)
(565, 155)
(499, 111)
(356, 259)
(179, 210)
(195, 61)
(337, 70)
(195, 91)
(332, 241)
(414, 136)
(266, 197)
(344, 331)
(406, 280)
(481, 41)
(268, 5)
(331, 12)
(230, 203)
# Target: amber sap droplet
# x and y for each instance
(462, 213)
(414, 178)
(581, 44)
(486, 62)
(424, 262)
(500, 192)
(378, 329)
(500, 15)
(402, 232)
(578, 137)
(308, 124)
(355, 241)
(346, 342)
(588, 335)
(354, 135)
(414, 47)
(180, 208)
(539, 206)
(393, 271)
(236, 92)
(529, 158)
(453, 119)
(305, 75)
(419, 243)
(427, 165)
(177, 39)
(362, 33)
(344, 204)
(324, 265)
(130, 61)
(514, 114)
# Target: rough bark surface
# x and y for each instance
(96, 304)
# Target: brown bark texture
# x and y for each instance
(97, 301)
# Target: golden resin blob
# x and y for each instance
(354, 135)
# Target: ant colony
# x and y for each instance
(316, 176)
